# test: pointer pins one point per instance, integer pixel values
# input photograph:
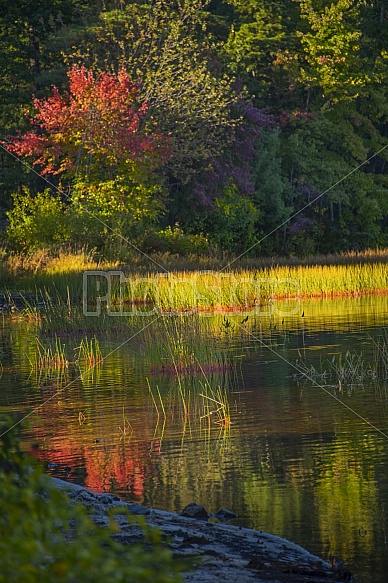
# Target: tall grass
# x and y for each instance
(187, 287)
(52, 362)
(195, 371)
(350, 371)
(89, 355)
(184, 346)
(64, 317)
(193, 403)
(51, 357)
(49, 364)
(380, 355)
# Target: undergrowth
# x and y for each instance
(46, 539)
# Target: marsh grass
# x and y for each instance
(380, 353)
(89, 353)
(241, 290)
(194, 404)
(89, 360)
(126, 429)
(64, 317)
(52, 366)
(195, 375)
(343, 372)
(52, 357)
(216, 407)
(189, 286)
(179, 346)
(350, 371)
(49, 364)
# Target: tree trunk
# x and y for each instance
(34, 55)
(331, 206)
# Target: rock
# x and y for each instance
(228, 553)
(338, 567)
(194, 510)
(224, 515)
(108, 498)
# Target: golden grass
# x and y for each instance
(206, 287)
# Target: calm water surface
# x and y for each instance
(305, 462)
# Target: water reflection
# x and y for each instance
(293, 460)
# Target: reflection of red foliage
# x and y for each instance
(101, 116)
(123, 468)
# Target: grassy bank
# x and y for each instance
(144, 286)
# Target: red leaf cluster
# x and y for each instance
(100, 118)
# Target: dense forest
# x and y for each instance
(194, 125)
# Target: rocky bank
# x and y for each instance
(226, 552)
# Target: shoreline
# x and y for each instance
(226, 552)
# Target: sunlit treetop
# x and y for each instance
(99, 119)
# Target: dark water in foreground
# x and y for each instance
(306, 462)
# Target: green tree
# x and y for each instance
(332, 48)
(322, 149)
(262, 38)
(36, 221)
(272, 191)
(252, 44)
(232, 222)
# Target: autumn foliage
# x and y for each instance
(100, 120)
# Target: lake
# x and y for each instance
(217, 410)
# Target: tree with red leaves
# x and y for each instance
(99, 120)
(94, 140)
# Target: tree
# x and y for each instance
(165, 47)
(321, 152)
(271, 188)
(232, 221)
(252, 44)
(332, 48)
(96, 127)
(93, 139)
(30, 62)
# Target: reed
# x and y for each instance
(196, 373)
(89, 353)
(185, 292)
(380, 356)
(126, 430)
(52, 357)
(216, 406)
(49, 365)
(350, 371)
(64, 317)
(196, 404)
(191, 287)
(185, 346)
